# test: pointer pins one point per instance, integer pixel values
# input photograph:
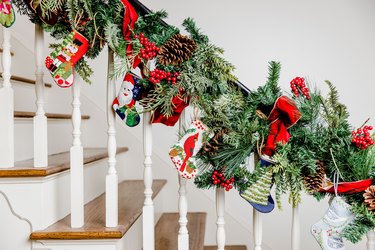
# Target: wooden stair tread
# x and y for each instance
(27, 114)
(11, 53)
(25, 80)
(167, 231)
(129, 207)
(226, 248)
(56, 163)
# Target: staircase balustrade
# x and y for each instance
(76, 160)
(220, 222)
(183, 234)
(148, 206)
(40, 119)
(295, 228)
(6, 107)
(257, 229)
(112, 177)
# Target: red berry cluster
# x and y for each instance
(157, 75)
(219, 180)
(361, 137)
(298, 85)
(150, 50)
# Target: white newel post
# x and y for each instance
(148, 207)
(371, 240)
(76, 160)
(111, 178)
(295, 229)
(183, 234)
(40, 120)
(257, 229)
(6, 107)
(220, 222)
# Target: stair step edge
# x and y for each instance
(57, 163)
(130, 209)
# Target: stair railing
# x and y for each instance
(295, 229)
(40, 119)
(183, 234)
(76, 160)
(6, 107)
(148, 206)
(220, 222)
(111, 178)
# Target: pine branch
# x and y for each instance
(194, 31)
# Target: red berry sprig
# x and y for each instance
(150, 50)
(157, 75)
(361, 138)
(218, 179)
(298, 86)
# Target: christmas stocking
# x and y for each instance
(126, 98)
(7, 16)
(257, 194)
(327, 231)
(182, 153)
(61, 61)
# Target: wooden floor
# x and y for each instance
(130, 208)
(56, 163)
(28, 115)
(166, 231)
(226, 248)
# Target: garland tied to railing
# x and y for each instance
(175, 71)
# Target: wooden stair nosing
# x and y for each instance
(28, 114)
(226, 248)
(11, 53)
(25, 80)
(57, 163)
(167, 228)
(130, 208)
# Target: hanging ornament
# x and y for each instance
(61, 61)
(314, 183)
(183, 153)
(176, 50)
(7, 15)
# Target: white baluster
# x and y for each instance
(148, 207)
(371, 240)
(295, 229)
(257, 229)
(111, 178)
(76, 160)
(220, 222)
(6, 107)
(40, 120)
(183, 234)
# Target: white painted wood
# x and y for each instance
(76, 160)
(6, 107)
(220, 222)
(295, 228)
(257, 229)
(371, 240)
(183, 234)
(111, 178)
(40, 120)
(148, 207)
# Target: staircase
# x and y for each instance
(38, 200)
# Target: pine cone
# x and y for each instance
(369, 196)
(176, 50)
(212, 146)
(314, 182)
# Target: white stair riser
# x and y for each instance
(46, 200)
